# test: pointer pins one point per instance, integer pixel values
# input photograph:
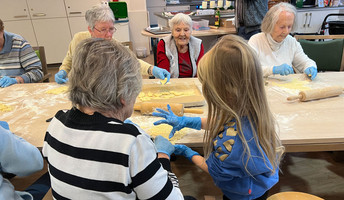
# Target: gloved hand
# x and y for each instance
(283, 70)
(60, 77)
(4, 125)
(312, 72)
(6, 81)
(185, 151)
(161, 73)
(163, 145)
(177, 122)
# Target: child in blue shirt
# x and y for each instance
(241, 146)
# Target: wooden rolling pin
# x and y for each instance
(318, 93)
(147, 108)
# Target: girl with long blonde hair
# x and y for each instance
(241, 146)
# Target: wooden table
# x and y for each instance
(304, 126)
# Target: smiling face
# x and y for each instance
(102, 30)
(283, 26)
(181, 34)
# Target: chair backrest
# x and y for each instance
(327, 54)
(41, 55)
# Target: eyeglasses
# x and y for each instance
(104, 31)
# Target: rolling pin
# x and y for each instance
(147, 108)
(317, 93)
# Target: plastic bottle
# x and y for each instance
(217, 17)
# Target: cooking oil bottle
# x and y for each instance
(217, 17)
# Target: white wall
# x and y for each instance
(138, 20)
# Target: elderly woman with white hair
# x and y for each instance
(91, 151)
(100, 20)
(278, 52)
(180, 52)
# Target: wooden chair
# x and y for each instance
(294, 196)
(41, 55)
(328, 55)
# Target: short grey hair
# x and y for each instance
(103, 73)
(180, 18)
(272, 16)
(99, 13)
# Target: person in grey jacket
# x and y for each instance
(18, 157)
(249, 15)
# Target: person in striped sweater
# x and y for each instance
(18, 61)
(91, 152)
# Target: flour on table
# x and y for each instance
(58, 90)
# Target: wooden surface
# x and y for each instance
(189, 94)
(304, 126)
(210, 32)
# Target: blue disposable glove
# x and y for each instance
(185, 151)
(177, 122)
(163, 145)
(61, 77)
(4, 125)
(283, 70)
(312, 72)
(6, 81)
(161, 73)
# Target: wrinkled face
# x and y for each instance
(283, 26)
(181, 34)
(102, 30)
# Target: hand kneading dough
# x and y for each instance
(164, 130)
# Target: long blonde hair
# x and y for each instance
(233, 86)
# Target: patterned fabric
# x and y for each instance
(95, 157)
(17, 58)
(228, 166)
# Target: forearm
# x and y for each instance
(204, 123)
(66, 64)
(146, 68)
(199, 161)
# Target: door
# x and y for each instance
(22, 28)
(55, 36)
(78, 8)
(14, 10)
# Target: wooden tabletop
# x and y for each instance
(210, 32)
(303, 126)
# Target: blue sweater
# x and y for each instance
(17, 58)
(226, 165)
(17, 157)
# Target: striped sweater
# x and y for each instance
(95, 157)
(17, 58)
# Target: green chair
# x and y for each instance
(328, 55)
(41, 55)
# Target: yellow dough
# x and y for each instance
(164, 130)
(294, 84)
(59, 90)
(163, 82)
(5, 108)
